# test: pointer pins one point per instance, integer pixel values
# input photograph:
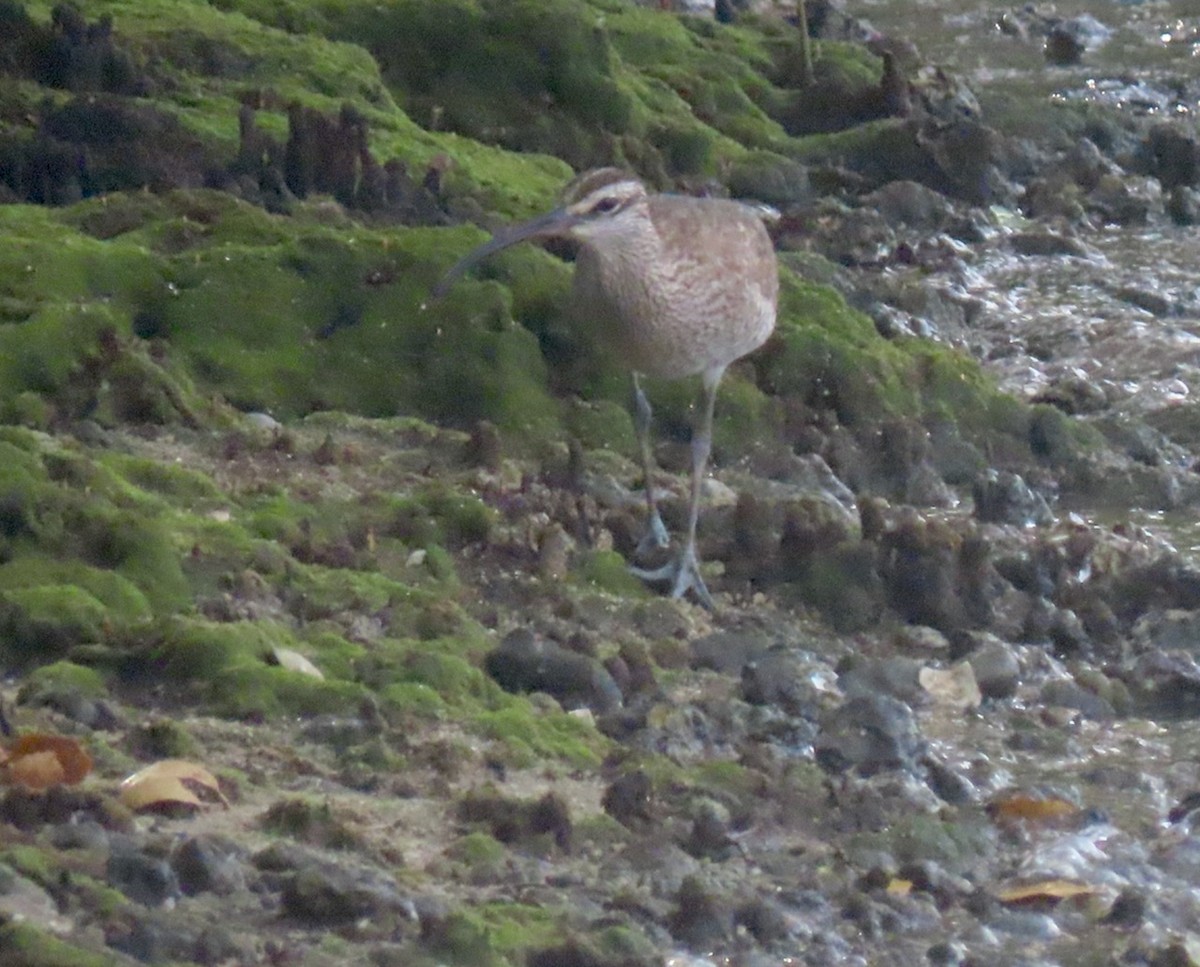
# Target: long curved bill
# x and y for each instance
(552, 223)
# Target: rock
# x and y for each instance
(764, 920)
(796, 683)
(1047, 244)
(869, 734)
(513, 820)
(1063, 48)
(1172, 156)
(524, 662)
(1128, 200)
(709, 837)
(772, 179)
(1067, 694)
(701, 920)
(208, 863)
(628, 799)
(23, 899)
(896, 676)
(328, 894)
(1128, 910)
(1074, 395)
(84, 834)
(729, 651)
(1164, 685)
(1147, 300)
(1183, 205)
(910, 204)
(147, 879)
(997, 670)
(1002, 497)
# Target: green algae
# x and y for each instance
(529, 737)
(59, 675)
(609, 571)
(482, 857)
(46, 621)
(227, 666)
(310, 821)
(27, 946)
(163, 739)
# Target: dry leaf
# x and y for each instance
(39, 761)
(1045, 891)
(38, 770)
(295, 662)
(899, 887)
(1046, 810)
(171, 782)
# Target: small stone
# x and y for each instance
(326, 894)
(997, 670)
(869, 734)
(208, 864)
(701, 920)
(147, 879)
(627, 799)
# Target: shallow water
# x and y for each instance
(1059, 317)
(1125, 319)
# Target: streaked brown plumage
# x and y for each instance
(676, 286)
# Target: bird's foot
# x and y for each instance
(683, 574)
(655, 539)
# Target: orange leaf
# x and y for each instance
(1035, 809)
(38, 770)
(74, 763)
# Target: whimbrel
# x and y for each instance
(676, 286)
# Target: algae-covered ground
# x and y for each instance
(236, 427)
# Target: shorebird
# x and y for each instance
(676, 286)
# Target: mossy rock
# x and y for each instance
(47, 620)
(530, 738)
(27, 946)
(59, 676)
(124, 604)
(609, 571)
(482, 857)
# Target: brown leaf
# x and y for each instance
(55, 760)
(1044, 892)
(1043, 810)
(38, 770)
(171, 782)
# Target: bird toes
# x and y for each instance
(683, 574)
(656, 537)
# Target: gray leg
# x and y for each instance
(656, 534)
(684, 571)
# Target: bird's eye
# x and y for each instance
(605, 205)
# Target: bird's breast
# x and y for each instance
(681, 304)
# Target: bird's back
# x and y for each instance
(691, 288)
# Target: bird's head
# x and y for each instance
(597, 203)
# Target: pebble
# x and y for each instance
(147, 879)
(209, 863)
(997, 670)
(869, 734)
